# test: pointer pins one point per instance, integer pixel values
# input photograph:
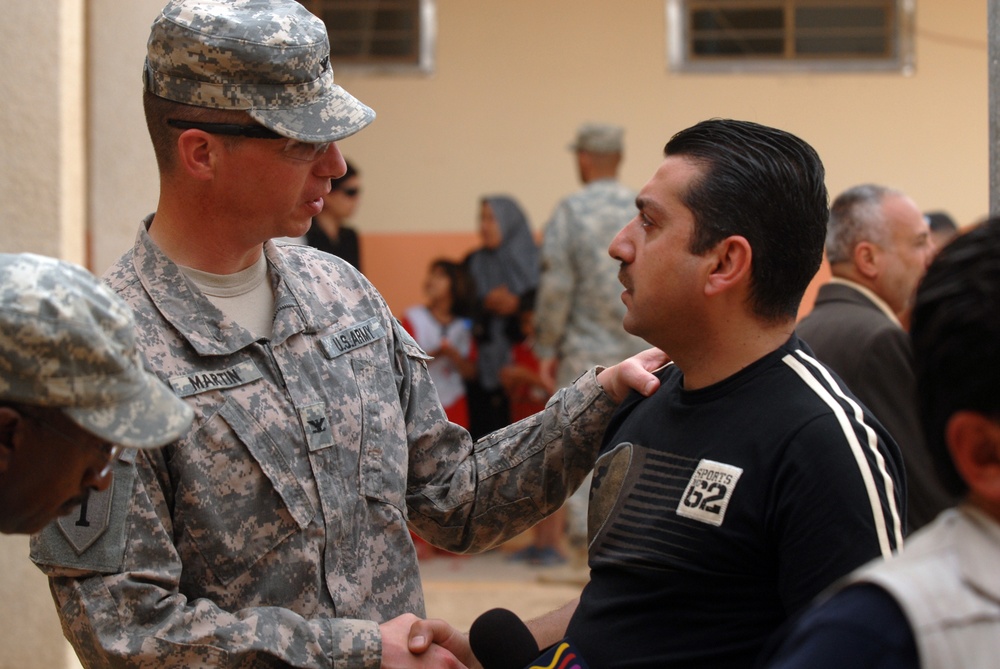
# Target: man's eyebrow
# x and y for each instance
(643, 203)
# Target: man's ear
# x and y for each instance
(974, 442)
(9, 419)
(731, 265)
(866, 259)
(196, 153)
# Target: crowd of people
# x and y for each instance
(230, 450)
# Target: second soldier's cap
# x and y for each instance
(68, 342)
(270, 58)
(598, 138)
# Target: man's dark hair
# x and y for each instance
(766, 185)
(955, 330)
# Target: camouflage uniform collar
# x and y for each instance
(200, 322)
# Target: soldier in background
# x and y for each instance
(73, 392)
(276, 532)
(578, 319)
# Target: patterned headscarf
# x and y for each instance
(515, 263)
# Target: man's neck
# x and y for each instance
(599, 176)
(211, 252)
(716, 359)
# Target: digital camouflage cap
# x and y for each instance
(598, 138)
(268, 57)
(68, 342)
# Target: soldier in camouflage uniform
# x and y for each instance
(73, 391)
(579, 312)
(275, 533)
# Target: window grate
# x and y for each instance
(721, 35)
(378, 34)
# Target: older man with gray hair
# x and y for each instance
(878, 246)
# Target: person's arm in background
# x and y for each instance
(555, 292)
(465, 363)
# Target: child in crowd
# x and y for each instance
(442, 329)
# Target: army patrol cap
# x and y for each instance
(268, 57)
(68, 342)
(598, 138)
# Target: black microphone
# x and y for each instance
(500, 640)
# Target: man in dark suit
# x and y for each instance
(878, 245)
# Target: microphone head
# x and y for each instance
(500, 640)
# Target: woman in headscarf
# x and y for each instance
(504, 269)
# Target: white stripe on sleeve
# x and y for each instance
(867, 475)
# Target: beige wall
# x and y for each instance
(513, 80)
(42, 195)
(42, 126)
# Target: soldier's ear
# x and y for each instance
(197, 152)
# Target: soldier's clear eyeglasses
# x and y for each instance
(110, 451)
(294, 149)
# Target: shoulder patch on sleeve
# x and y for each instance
(93, 536)
(410, 344)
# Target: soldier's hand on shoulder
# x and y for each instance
(635, 373)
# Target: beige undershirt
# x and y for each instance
(245, 297)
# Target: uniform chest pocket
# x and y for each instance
(384, 454)
(237, 497)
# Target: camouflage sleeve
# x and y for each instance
(471, 497)
(133, 615)
(555, 288)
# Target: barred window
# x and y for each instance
(389, 35)
(729, 35)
